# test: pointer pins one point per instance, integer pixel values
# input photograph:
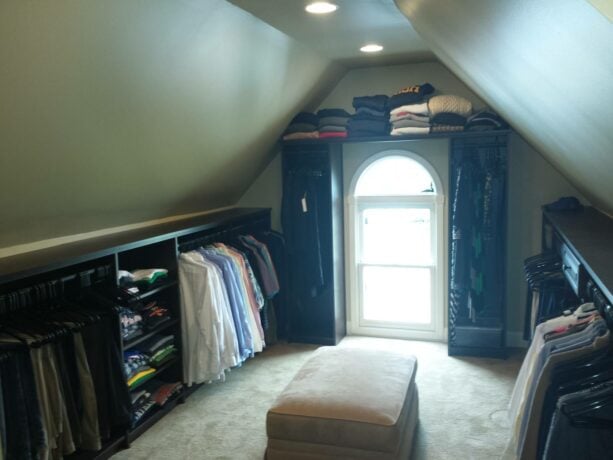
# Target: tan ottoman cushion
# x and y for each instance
(348, 398)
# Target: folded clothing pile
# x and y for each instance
(409, 110)
(131, 323)
(303, 126)
(142, 277)
(142, 404)
(371, 116)
(160, 349)
(485, 120)
(137, 367)
(154, 315)
(156, 393)
(332, 123)
(449, 113)
(161, 392)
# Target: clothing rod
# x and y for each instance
(251, 226)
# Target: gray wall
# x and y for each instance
(533, 181)
(117, 112)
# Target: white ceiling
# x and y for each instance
(340, 35)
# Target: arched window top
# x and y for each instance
(395, 175)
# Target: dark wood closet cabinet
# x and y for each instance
(312, 218)
(477, 245)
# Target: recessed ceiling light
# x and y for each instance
(321, 7)
(371, 48)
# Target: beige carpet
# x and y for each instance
(462, 403)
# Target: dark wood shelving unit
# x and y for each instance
(44, 260)
(141, 338)
(150, 419)
(154, 289)
(413, 137)
(589, 235)
(156, 246)
(158, 371)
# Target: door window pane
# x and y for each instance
(396, 236)
(392, 294)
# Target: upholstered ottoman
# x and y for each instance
(347, 403)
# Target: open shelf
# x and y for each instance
(156, 414)
(135, 341)
(155, 288)
(158, 371)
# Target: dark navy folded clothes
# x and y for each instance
(377, 102)
(366, 116)
(485, 120)
(448, 118)
(373, 127)
(566, 203)
(305, 117)
(333, 113)
(411, 95)
(300, 128)
(371, 123)
(367, 133)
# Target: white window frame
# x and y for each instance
(354, 206)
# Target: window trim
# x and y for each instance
(354, 207)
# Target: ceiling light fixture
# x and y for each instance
(321, 7)
(371, 48)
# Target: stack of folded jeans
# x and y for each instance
(371, 116)
(332, 123)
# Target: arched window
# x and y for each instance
(396, 264)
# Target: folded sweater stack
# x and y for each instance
(449, 113)
(303, 126)
(485, 120)
(371, 116)
(332, 123)
(409, 110)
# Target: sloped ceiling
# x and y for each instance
(546, 66)
(340, 35)
(116, 112)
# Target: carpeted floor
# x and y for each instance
(462, 402)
